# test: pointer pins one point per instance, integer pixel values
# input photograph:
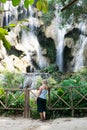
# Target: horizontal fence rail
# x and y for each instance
(68, 98)
(61, 98)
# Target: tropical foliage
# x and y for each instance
(70, 10)
(76, 11)
(40, 4)
(58, 87)
(11, 80)
(6, 43)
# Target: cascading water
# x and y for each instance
(78, 59)
(36, 55)
(6, 19)
(10, 13)
(31, 44)
(31, 19)
(28, 39)
(1, 14)
(60, 39)
(79, 55)
(7, 9)
(60, 47)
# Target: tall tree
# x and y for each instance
(74, 9)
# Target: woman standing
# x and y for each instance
(41, 99)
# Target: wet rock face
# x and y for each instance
(38, 45)
(47, 44)
(69, 42)
(67, 56)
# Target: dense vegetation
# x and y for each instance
(40, 4)
(58, 84)
(71, 11)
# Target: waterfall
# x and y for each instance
(1, 14)
(32, 49)
(79, 55)
(10, 14)
(59, 59)
(60, 39)
(6, 15)
(31, 43)
(31, 19)
(28, 39)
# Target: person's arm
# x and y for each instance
(39, 92)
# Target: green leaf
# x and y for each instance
(31, 2)
(69, 82)
(26, 28)
(12, 25)
(26, 3)
(6, 43)
(22, 21)
(1, 91)
(3, 1)
(3, 31)
(44, 6)
(15, 2)
(39, 5)
(1, 9)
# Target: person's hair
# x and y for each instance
(44, 81)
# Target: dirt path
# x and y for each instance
(29, 124)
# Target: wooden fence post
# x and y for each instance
(49, 97)
(71, 97)
(26, 105)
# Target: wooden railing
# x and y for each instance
(61, 103)
(74, 101)
(10, 100)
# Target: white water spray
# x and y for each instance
(31, 44)
(60, 47)
(11, 14)
(79, 55)
(60, 39)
